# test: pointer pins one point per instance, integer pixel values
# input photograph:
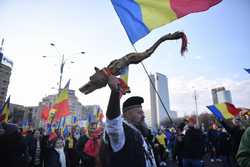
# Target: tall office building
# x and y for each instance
(214, 94)
(158, 112)
(5, 71)
(224, 96)
(221, 95)
(152, 113)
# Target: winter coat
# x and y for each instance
(54, 159)
(12, 147)
(193, 144)
(243, 155)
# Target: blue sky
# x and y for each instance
(218, 51)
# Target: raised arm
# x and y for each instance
(114, 124)
(113, 110)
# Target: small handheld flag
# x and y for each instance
(5, 111)
(247, 70)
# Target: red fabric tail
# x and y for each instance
(124, 87)
(184, 43)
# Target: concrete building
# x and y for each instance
(30, 116)
(148, 118)
(152, 113)
(221, 95)
(214, 94)
(158, 112)
(5, 71)
(224, 96)
(17, 113)
(90, 113)
(23, 116)
(74, 105)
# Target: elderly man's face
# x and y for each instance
(135, 115)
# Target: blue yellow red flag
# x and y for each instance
(224, 110)
(5, 111)
(247, 70)
(124, 74)
(139, 17)
(61, 105)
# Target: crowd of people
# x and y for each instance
(126, 141)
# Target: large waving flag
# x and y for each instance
(61, 104)
(45, 112)
(5, 111)
(139, 17)
(224, 110)
(52, 113)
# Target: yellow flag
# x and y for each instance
(5, 111)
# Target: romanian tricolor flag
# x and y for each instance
(61, 104)
(224, 110)
(51, 116)
(5, 111)
(123, 81)
(124, 74)
(99, 115)
(45, 110)
(139, 17)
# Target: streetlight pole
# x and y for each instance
(61, 66)
(63, 61)
(196, 108)
(61, 72)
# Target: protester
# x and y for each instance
(70, 147)
(162, 140)
(157, 148)
(213, 140)
(236, 131)
(80, 144)
(170, 143)
(243, 155)
(35, 150)
(57, 156)
(12, 147)
(46, 146)
(87, 146)
(124, 143)
(178, 151)
(223, 147)
(193, 146)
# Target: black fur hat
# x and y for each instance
(132, 101)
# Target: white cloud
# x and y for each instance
(182, 93)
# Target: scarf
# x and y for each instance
(62, 158)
